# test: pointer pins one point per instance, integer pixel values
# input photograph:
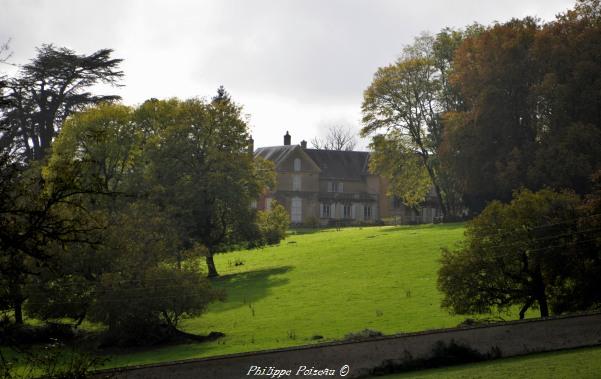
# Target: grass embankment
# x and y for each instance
(327, 283)
(579, 363)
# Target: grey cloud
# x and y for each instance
(311, 58)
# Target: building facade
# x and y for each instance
(330, 187)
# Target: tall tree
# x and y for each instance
(36, 220)
(101, 151)
(47, 90)
(201, 171)
(404, 103)
(531, 100)
(489, 143)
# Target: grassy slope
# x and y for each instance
(326, 283)
(580, 363)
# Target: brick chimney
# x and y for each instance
(304, 144)
(287, 139)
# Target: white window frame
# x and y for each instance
(296, 182)
(325, 210)
(296, 210)
(297, 164)
(367, 212)
(268, 201)
(347, 211)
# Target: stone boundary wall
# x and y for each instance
(333, 359)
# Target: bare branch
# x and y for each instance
(339, 137)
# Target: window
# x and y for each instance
(268, 201)
(297, 164)
(340, 187)
(296, 211)
(296, 183)
(347, 211)
(253, 204)
(325, 210)
(367, 212)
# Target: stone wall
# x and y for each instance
(510, 339)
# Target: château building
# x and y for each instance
(333, 187)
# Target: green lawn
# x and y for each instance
(580, 364)
(326, 283)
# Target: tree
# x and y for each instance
(338, 137)
(407, 177)
(50, 88)
(524, 253)
(405, 102)
(139, 280)
(94, 155)
(201, 172)
(37, 214)
(530, 107)
(34, 223)
(144, 292)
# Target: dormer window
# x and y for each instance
(297, 164)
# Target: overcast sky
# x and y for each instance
(297, 65)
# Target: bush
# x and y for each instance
(148, 310)
(273, 224)
(442, 355)
(362, 335)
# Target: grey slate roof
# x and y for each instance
(342, 165)
(276, 154)
(345, 165)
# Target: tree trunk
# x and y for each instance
(544, 307)
(211, 265)
(437, 189)
(525, 308)
(17, 301)
(17, 305)
(540, 293)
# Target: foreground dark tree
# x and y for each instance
(530, 253)
(39, 216)
(338, 137)
(34, 223)
(136, 280)
(47, 90)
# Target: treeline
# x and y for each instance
(108, 212)
(503, 124)
(477, 113)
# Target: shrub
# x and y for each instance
(364, 334)
(273, 224)
(148, 310)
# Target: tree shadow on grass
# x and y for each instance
(246, 288)
(446, 226)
